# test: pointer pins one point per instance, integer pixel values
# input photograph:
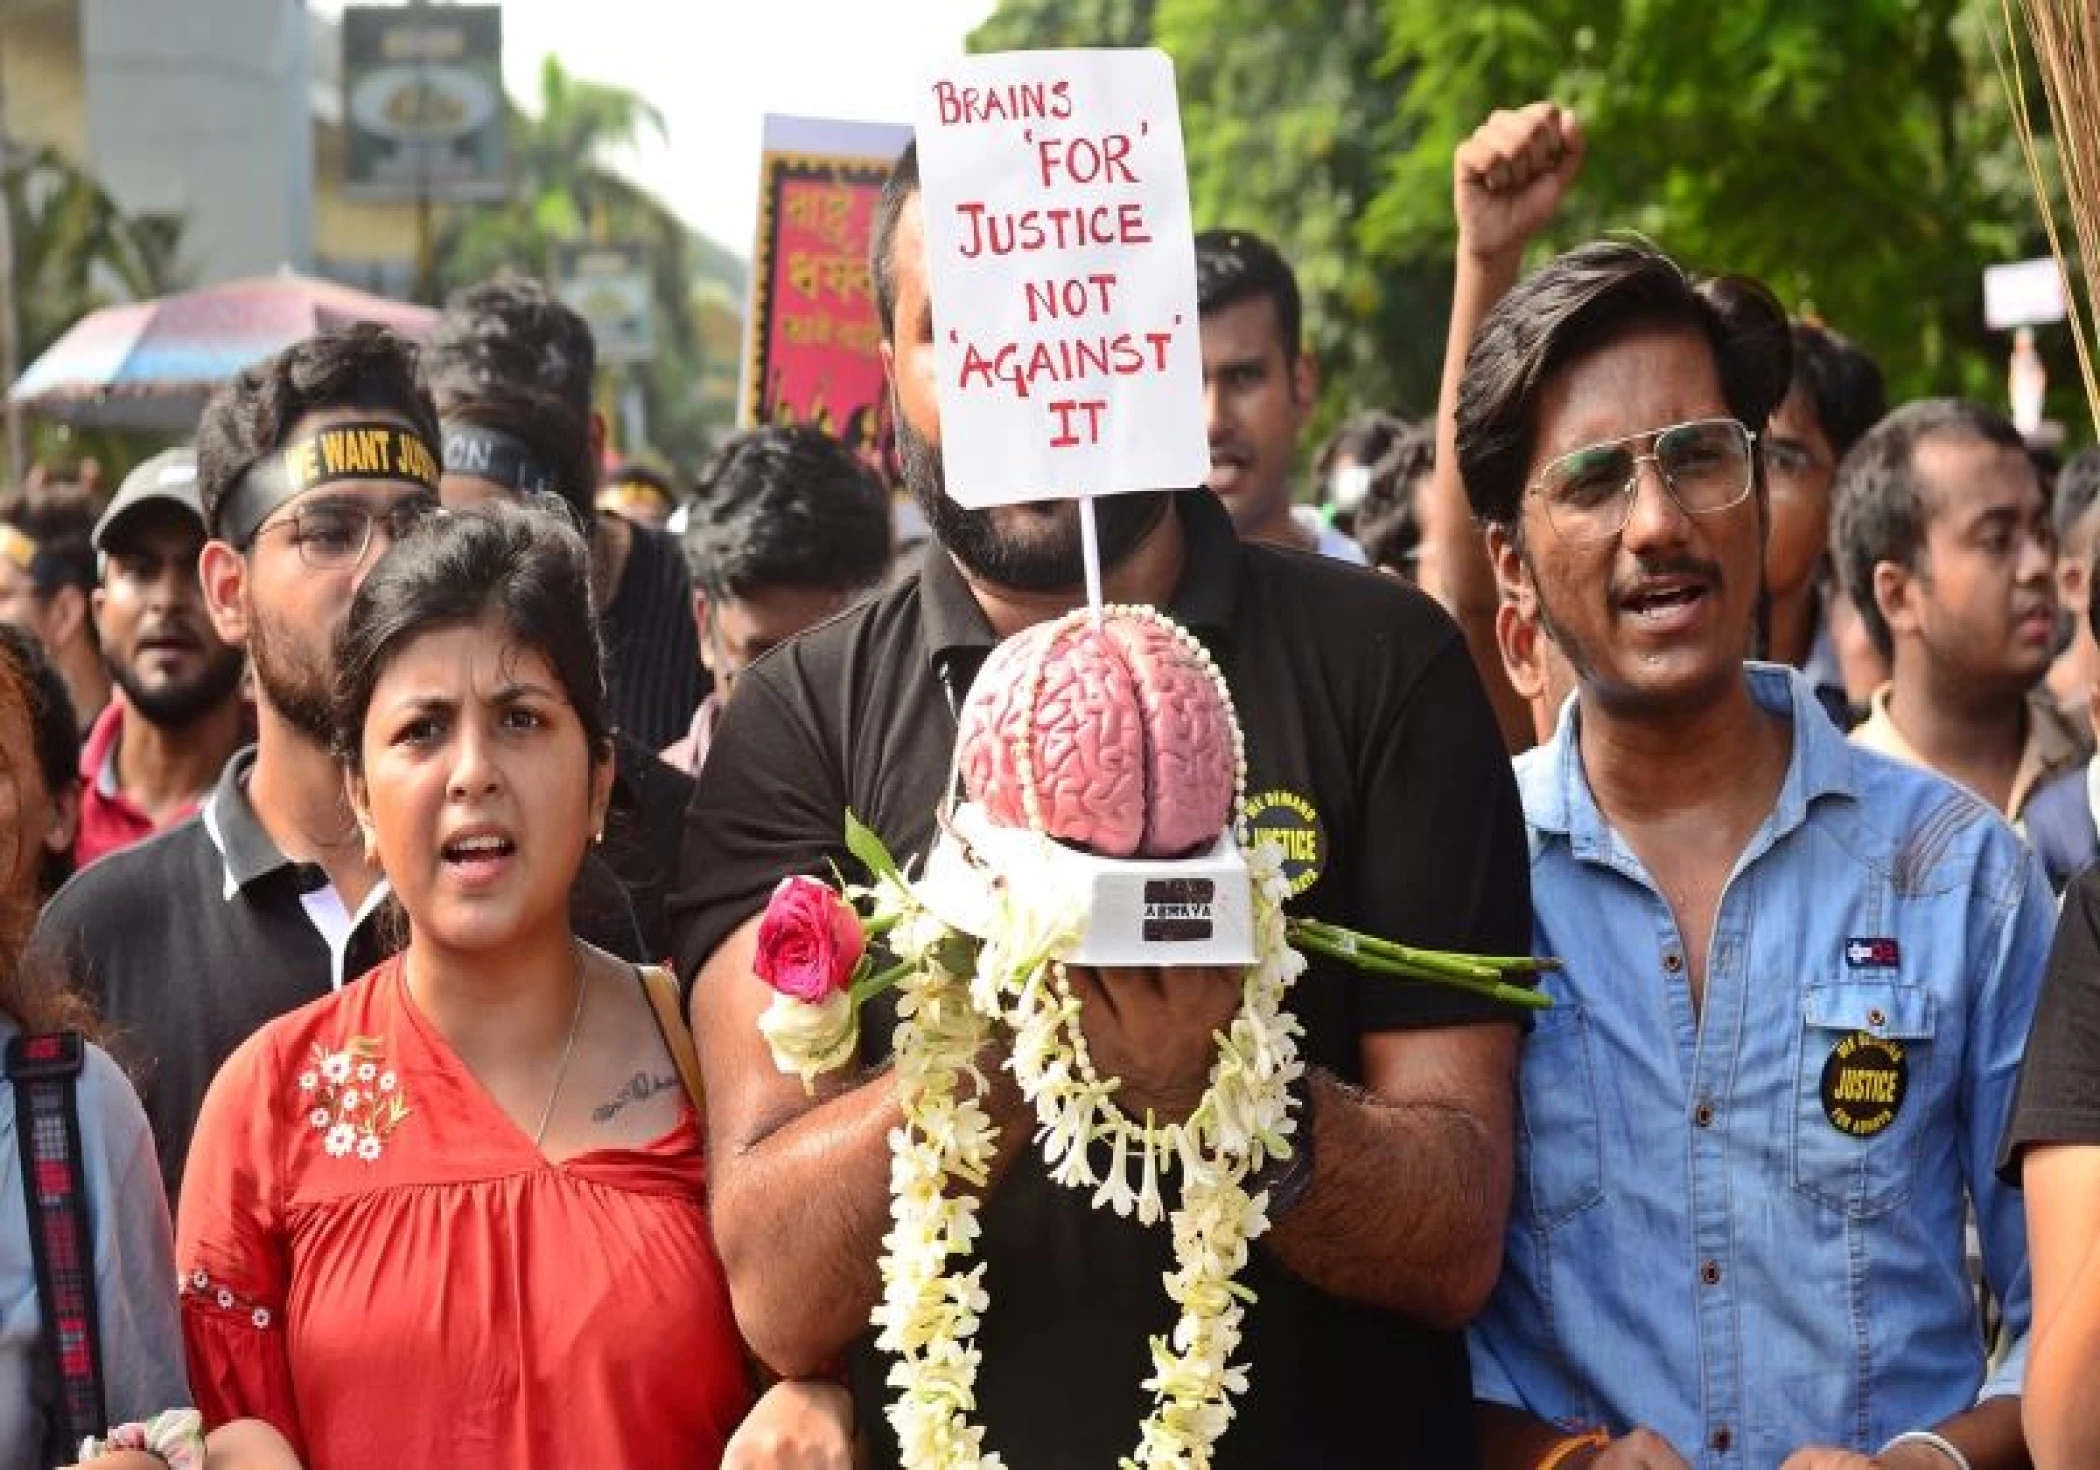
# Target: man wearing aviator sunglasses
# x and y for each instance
(1707, 466)
(1796, 975)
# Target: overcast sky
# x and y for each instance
(715, 68)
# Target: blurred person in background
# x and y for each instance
(510, 333)
(639, 495)
(1835, 397)
(130, 1269)
(1374, 470)
(2075, 509)
(178, 716)
(1945, 543)
(1260, 385)
(788, 527)
(47, 585)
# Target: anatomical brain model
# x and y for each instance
(1113, 736)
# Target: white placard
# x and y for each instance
(2026, 293)
(1062, 266)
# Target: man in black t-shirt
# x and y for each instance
(188, 942)
(1368, 734)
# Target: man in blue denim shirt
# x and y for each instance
(1798, 975)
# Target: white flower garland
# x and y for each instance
(928, 1315)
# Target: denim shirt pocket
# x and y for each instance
(1863, 1065)
(1562, 1147)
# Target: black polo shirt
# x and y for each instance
(188, 942)
(1367, 728)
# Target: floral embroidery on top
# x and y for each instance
(352, 1116)
(198, 1286)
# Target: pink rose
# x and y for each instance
(809, 941)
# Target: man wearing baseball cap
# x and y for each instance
(158, 747)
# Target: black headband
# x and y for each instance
(497, 456)
(366, 449)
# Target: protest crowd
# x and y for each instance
(396, 805)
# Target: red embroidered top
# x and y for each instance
(378, 1262)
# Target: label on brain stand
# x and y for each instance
(1179, 910)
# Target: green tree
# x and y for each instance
(564, 188)
(1857, 157)
(1019, 25)
(1288, 115)
(76, 250)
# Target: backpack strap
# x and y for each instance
(45, 1072)
(662, 989)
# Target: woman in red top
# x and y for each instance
(454, 1214)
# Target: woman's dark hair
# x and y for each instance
(54, 728)
(523, 566)
(32, 993)
(1583, 300)
(253, 416)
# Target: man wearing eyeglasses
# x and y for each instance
(1797, 974)
(309, 465)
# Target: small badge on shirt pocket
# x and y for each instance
(1864, 1081)
(1865, 1048)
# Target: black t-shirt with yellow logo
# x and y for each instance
(1372, 758)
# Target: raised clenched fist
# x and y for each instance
(1508, 178)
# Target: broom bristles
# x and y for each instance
(2065, 38)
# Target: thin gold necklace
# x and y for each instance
(561, 1070)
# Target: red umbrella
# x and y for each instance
(151, 364)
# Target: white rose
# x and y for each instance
(809, 1039)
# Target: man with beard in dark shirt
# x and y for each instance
(1365, 723)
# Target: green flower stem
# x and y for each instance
(1432, 966)
(874, 926)
(867, 986)
(1466, 966)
